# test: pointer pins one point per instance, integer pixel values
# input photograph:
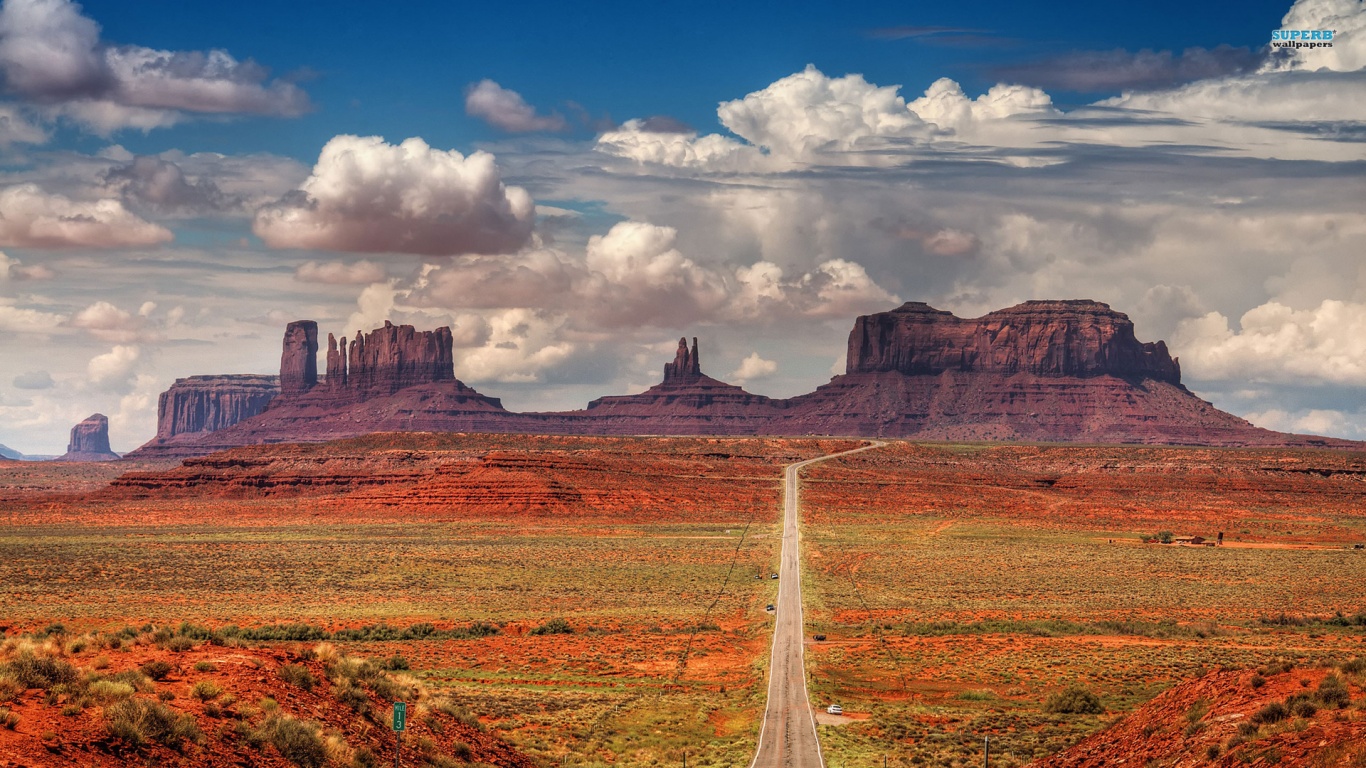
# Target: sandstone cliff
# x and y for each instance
(387, 360)
(1045, 338)
(90, 441)
(394, 378)
(1050, 371)
(210, 403)
(686, 402)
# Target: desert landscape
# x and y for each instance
(662, 385)
(600, 600)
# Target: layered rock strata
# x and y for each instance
(90, 441)
(209, 403)
(1049, 371)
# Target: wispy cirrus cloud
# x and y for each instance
(1118, 69)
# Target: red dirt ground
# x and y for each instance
(1168, 730)
(45, 737)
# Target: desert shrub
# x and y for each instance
(1355, 666)
(99, 662)
(1257, 681)
(205, 666)
(1333, 692)
(1165, 536)
(1073, 701)
(139, 721)
(205, 690)
(157, 669)
(1271, 713)
(352, 696)
(1276, 668)
(32, 671)
(9, 720)
(297, 741)
(106, 691)
(9, 686)
(977, 695)
(52, 630)
(553, 627)
(364, 758)
(298, 675)
(451, 709)
(395, 662)
(1303, 708)
(1212, 752)
(385, 687)
(166, 695)
(179, 644)
(134, 678)
(1247, 729)
(473, 631)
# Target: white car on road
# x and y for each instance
(835, 709)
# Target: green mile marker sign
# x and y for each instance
(400, 716)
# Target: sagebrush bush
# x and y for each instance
(1074, 701)
(553, 627)
(298, 675)
(157, 669)
(1333, 692)
(107, 691)
(9, 687)
(1271, 713)
(32, 671)
(205, 690)
(299, 742)
(9, 720)
(139, 721)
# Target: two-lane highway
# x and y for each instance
(787, 738)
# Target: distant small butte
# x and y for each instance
(1041, 371)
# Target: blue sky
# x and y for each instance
(586, 183)
(399, 72)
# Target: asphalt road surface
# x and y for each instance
(787, 738)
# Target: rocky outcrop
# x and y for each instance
(90, 441)
(210, 403)
(299, 359)
(389, 359)
(686, 365)
(1050, 371)
(686, 402)
(1045, 338)
(394, 378)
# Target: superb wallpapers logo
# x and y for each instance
(1302, 38)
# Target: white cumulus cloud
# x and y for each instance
(113, 367)
(368, 196)
(753, 368)
(52, 55)
(1275, 343)
(505, 109)
(36, 219)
